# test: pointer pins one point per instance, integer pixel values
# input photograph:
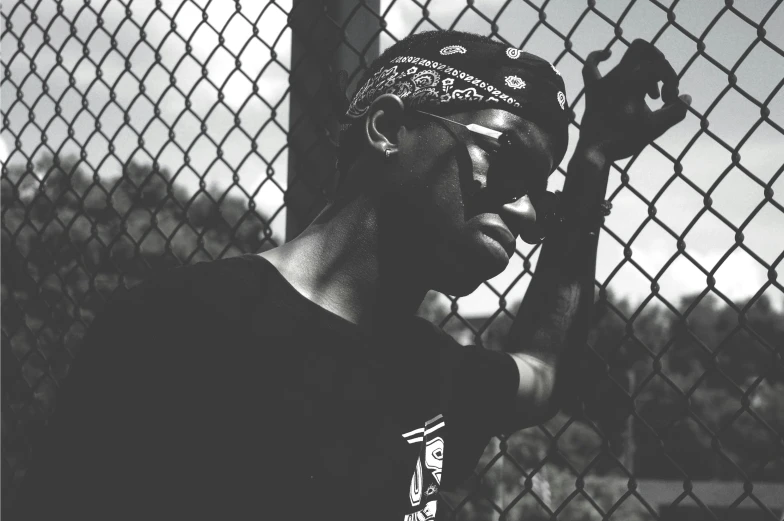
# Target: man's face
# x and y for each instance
(461, 202)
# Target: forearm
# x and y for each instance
(554, 317)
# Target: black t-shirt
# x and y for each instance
(217, 390)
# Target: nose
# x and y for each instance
(520, 217)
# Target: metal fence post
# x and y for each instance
(327, 35)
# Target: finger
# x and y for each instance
(646, 67)
(638, 51)
(655, 68)
(669, 115)
(591, 68)
(664, 72)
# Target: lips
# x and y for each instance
(501, 234)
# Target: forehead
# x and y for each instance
(531, 134)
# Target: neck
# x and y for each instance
(341, 263)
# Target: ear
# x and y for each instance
(383, 122)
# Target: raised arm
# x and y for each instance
(554, 317)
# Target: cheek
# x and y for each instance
(433, 171)
(439, 176)
(450, 185)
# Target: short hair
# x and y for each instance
(350, 138)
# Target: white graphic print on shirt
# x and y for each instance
(427, 473)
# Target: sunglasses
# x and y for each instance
(510, 185)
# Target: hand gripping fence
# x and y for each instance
(138, 135)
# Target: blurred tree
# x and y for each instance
(434, 307)
(711, 401)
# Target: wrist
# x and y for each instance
(591, 156)
(581, 205)
(587, 175)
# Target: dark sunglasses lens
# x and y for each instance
(510, 160)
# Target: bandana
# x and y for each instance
(472, 75)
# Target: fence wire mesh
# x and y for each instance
(140, 135)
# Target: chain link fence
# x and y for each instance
(140, 135)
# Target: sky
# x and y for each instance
(211, 69)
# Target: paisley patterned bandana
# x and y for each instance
(469, 75)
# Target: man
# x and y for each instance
(298, 382)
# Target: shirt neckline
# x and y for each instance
(334, 320)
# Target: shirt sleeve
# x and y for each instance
(479, 387)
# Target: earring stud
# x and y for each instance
(387, 153)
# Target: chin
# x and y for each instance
(460, 288)
(462, 280)
(459, 266)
